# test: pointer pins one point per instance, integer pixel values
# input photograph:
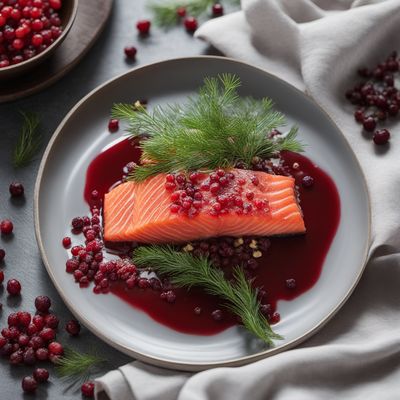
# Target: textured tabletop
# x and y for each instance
(104, 61)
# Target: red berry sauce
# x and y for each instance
(300, 258)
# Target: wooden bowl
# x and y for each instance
(67, 14)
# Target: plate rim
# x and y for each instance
(159, 361)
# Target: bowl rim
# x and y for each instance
(157, 360)
(52, 47)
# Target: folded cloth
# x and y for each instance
(316, 45)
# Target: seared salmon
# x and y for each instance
(159, 211)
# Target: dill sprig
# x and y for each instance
(29, 140)
(215, 129)
(77, 365)
(186, 271)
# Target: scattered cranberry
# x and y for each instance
(41, 375)
(378, 94)
(181, 12)
(217, 10)
(2, 255)
(130, 52)
(369, 124)
(13, 287)
(42, 303)
(190, 24)
(16, 189)
(307, 181)
(73, 327)
(77, 223)
(66, 242)
(87, 389)
(113, 125)
(381, 137)
(1, 277)
(6, 227)
(143, 26)
(29, 384)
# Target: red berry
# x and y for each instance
(36, 342)
(381, 137)
(77, 223)
(16, 357)
(276, 317)
(16, 189)
(307, 181)
(217, 10)
(42, 354)
(6, 227)
(87, 389)
(170, 296)
(73, 327)
(24, 318)
(37, 40)
(174, 208)
(51, 321)
(214, 188)
(1, 277)
(130, 52)
(42, 303)
(291, 283)
(29, 385)
(66, 242)
(23, 340)
(47, 334)
(29, 356)
(217, 315)
(38, 321)
(56, 348)
(113, 125)
(369, 124)
(41, 374)
(191, 24)
(13, 287)
(143, 26)
(55, 4)
(181, 11)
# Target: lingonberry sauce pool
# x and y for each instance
(291, 266)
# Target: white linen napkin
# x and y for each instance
(316, 45)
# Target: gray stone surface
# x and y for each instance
(104, 61)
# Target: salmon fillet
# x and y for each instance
(142, 212)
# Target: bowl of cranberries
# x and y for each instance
(30, 31)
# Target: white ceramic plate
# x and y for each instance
(83, 134)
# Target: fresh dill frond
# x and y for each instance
(187, 271)
(165, 12)
(29, 140)
(215, 129)
(77, 365)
